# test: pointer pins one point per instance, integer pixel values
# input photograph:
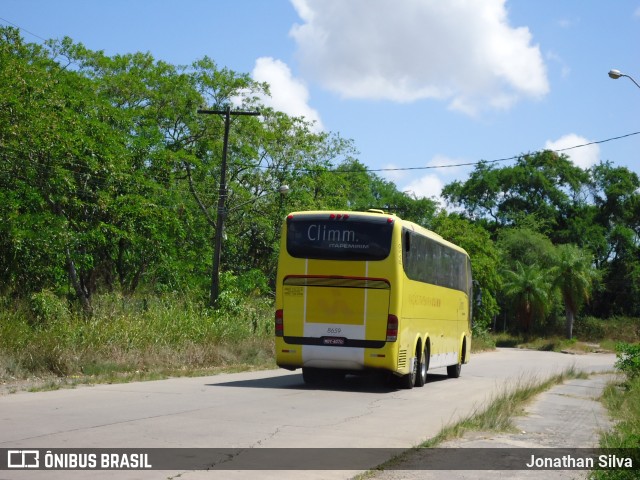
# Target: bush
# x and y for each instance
(481, 339)
(628, 359)
(589, 328)
(46, 308)
(236, 290)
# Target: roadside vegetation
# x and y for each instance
(623, 402)
(46, 345)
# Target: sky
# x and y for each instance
(414, 83)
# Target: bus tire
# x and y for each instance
(408, 381)
(453, 371)
(423, 366)
(312, 376)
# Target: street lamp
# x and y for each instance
(616, 74)
(284, 189)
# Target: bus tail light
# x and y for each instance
(392, 328)
(279, 323)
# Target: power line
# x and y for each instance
(478, 162)
(395, 169)
(23, 29)
(597, 142)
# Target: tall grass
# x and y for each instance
(623, 402)
(130, 334)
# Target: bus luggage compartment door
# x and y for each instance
(335, 312)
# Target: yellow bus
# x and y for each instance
(368, 291)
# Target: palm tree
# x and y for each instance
(573, 276)
(528, 286)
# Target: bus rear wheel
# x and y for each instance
(312, 376)
(418, 375)
(453, 371)
(423, 366)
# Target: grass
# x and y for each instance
(46, 344)
(622, 400)
(556, 344)
(144, 338)
(482, 341)
(590, 335)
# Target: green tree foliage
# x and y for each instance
(543, 185)
(615, 239)
(60, 154)
(573, 276)
(528, 287)
(109, 181)
(525, 246)
(109, 177)
(542, 201)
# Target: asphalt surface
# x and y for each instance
(272, 409)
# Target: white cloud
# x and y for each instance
(439, 171)
(288, 94)
(428, 186)
(583, 157)
(392, 173)
(567, 23)
(461, 51)
(450, 166)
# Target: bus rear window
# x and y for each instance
(366, 238)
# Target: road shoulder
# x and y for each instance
(568, 415)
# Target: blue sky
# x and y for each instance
(415, 83)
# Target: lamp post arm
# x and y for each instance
(632, 79)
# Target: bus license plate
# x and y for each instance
(333, 340)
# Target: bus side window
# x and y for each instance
(407, 241)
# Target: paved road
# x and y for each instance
(263, 409)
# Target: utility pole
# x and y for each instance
(222, 198)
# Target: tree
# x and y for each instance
(527, 246)
(528, 287)
(614, 239)
(573, 276)
(543, 185)
(63, 150)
